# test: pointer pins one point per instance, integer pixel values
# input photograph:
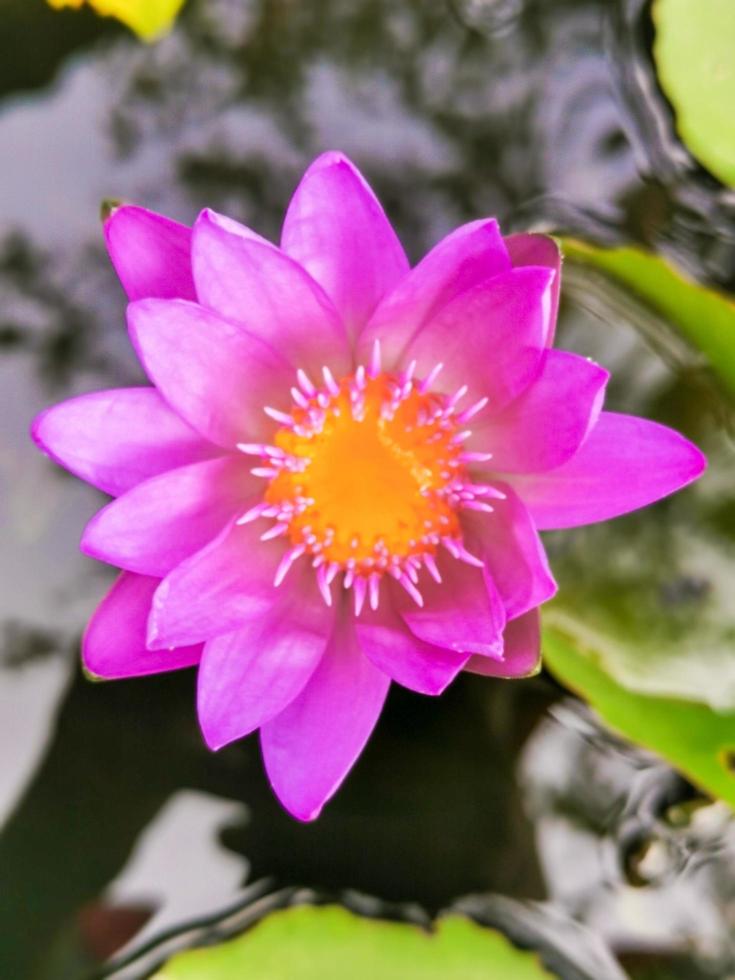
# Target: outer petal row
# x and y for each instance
(625, 463)
(114, 643)
(151, 254)
(116, 439)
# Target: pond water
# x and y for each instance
(116, 823)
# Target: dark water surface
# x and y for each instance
(115, 822)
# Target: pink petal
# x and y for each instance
(155, 526)
(116, 439)
(625, 463)
(248, 677)
(521, 653)
(151, 254)
(547, 424)
(537, 250)
(213, 373)
(245, 278)
(217, 590)
(464, 613)
(508, 543)
(310, 747)
(490, 337)
(336, 228)
(386, 641)
(470, 256)
(114, 641)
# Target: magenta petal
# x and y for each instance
(155, 526)
(464, 613)
(248, 677)
(245, 278)
(533, 249)
(212, 372)
(336, 228)
(625, 463)
(490, 337)
(310, 747)
(386, 641)
(508, 543)
(114, 641)
(521, 652)
(116, 439)
(470, 256)
(547, 424)
(151, 254)
(219, 589)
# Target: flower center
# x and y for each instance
(366, 475)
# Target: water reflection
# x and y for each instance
(453, 110)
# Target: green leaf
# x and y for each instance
(643, 626)
(693, 50)
(148, 18)
(330, 943)
(696, 740)
(703, 316)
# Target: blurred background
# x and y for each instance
(606, 847)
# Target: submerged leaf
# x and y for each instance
(703, 316)
(695, 739)
(148, 18)
(693, 49)
(330, 943)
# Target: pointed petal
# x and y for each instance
(212, 372)
(625, 463)
(388, 643)
(151, 254)
(509, 545)
(337, 230)
(521, 651)
(490, 337)
(154, 527)
(217, 590)
(245, 278)
(534, 249)
(464, 613)
(248, 677)
(547, 424)
(311, 746)
(468, 257)
(116, 439)
(114, 641)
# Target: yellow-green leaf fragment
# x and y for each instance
(694, 50)
(148, 18)
(703, 316)
(693, 738)
(330, 943)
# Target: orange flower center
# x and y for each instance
(366, 476)
(377, 478)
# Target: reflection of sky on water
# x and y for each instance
(453, 112)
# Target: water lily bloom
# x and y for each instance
(338, 474)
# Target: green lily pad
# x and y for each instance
(643, 627)
(695, 739)
(330, 943)
(704, 317)
(693, 50)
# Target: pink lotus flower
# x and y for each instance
(338, 475)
